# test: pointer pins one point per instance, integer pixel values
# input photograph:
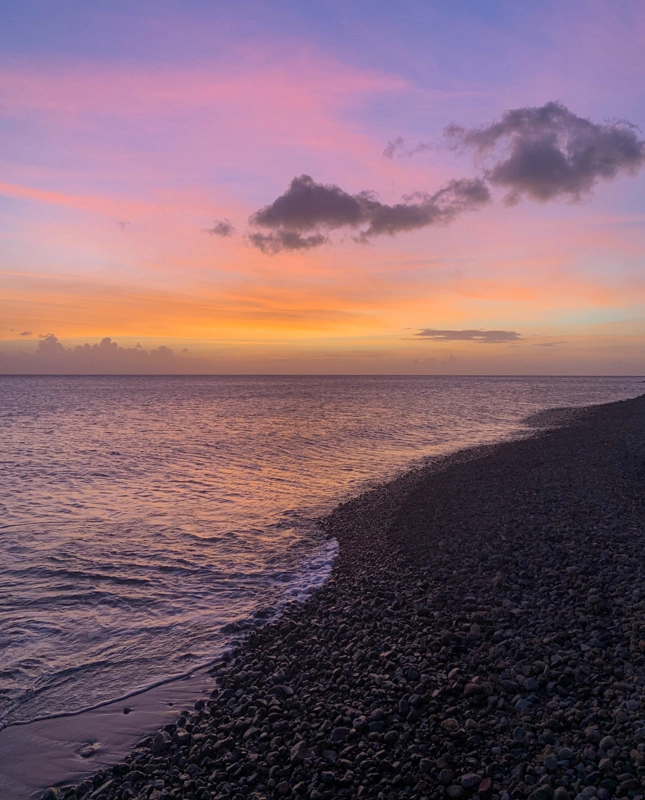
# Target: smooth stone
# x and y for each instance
(551, 762)
(470, 780)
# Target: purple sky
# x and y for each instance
(152, 187)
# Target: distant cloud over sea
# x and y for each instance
(106, 357)
(486, 337)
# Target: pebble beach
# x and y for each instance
(482, 635)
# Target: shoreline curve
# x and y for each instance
(482, 635)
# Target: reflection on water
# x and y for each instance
(142, 514)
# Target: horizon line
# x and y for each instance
(304, 375)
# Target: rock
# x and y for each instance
(445, 776)
(470, 780)
(299, 752)
(283, 691)
(450, 724)
(182, 737)
(135, 776)
(454, 791)
(101, 790)
(541, 793)
(338, 735)
(551, 762)
(593, 735)
(475, 631)
(161, 743)
(51, 794)
(606, 743)
(509, 687)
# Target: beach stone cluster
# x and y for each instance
(482, 637)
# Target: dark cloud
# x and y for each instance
(106, 357)
(549, 344)
(307, 204)
(542, 153)
(421, 147)
(486, 337)
(547, 152)
(272, 243)
(221, 227)
(26, 333)
(420, 210)
(315, 208)
(397, 149)
(394, 147)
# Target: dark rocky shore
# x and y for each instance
(482, 636)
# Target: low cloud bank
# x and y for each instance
(106, 358)
(486, 337)
(541, 153)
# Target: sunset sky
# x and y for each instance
(439, 186)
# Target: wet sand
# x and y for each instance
(49, 751)
(482, 635)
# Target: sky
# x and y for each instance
(437, 187)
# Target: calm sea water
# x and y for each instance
(141, 515)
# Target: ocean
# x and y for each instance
(146, 522)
